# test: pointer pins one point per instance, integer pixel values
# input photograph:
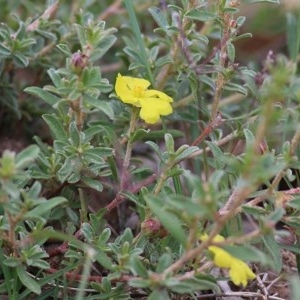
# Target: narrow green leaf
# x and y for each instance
(27, 281)
(44, 95)
(184, 152)
(64, 49)
(87, 231)
(55, 77)
(217, 153)
(139, 283)
(250, 138)
(261, 1)
(139, 134)
(159, 16)
(104, 45)
(100, 104)
(4, 51)
(242, 36)
(164, 261)
(159, 294)
(192, 284)
(234, 87)
(293, 35)
(27, 156)
(137, 267)
(200, 15)
(81, 35)
(56, 127)
(169, 141)
(74, 134)
(104, 260)
(295, 285)
(273, 248)
(45, 207)
(20, 60)
(92, 183)
(138, 36)
(240, 20)
(231, 51)
(168, 219)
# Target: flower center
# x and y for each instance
(138, 91)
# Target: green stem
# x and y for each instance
(126, 162)
(90, 252)
(221, 80)
(83, 211)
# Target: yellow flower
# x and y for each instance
(135, 91)
(239, 272)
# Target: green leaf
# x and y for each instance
(169, 141)
(159, 16)
(139, 134)
(12, 262)
(104, 260)
(45, 207)
(160, 294)
(184, 152)
(234, 87)
(293, 35)
(164, 262)
(28, 281)
(27, 156)
(103, 47)
(138, 37)
(240, 21)
(242, 36)
(41, 264)
(200, 15)
(137, 267)
(55, 77)
(261, 1)
(100, 104)
(230, 51)
(92, 183)
(273, 248)
(295, 286)
(91, 77)
(250, 138)
(44, 95)
(217, 153)
(4, 51)
(56, 127)
(158, 134)
(192, 284)
(81, 35)
(247, 253)
(139, 283)
(74, 134)
(64, 49)
(168, 219)
(156, 149)
(87, 231)
(20, 60)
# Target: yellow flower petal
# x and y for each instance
(153, 103)
(158, 94)
(152, 109)
(130, 90)
(240, 273)
(217, 239)
(222, 258)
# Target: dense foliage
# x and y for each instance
(143, 156)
